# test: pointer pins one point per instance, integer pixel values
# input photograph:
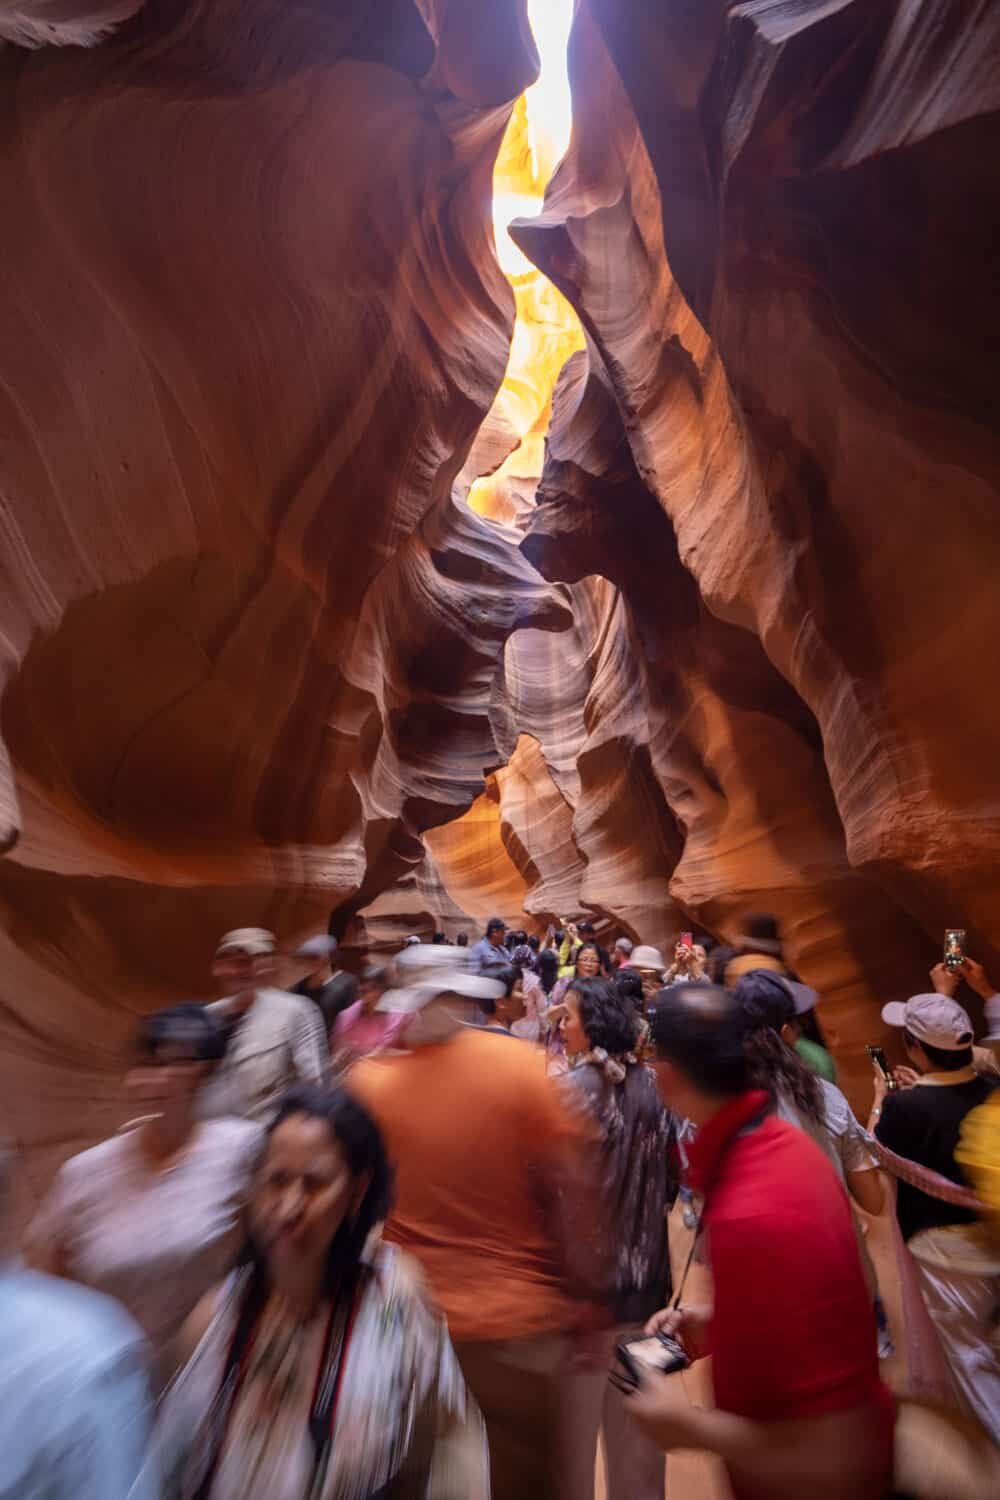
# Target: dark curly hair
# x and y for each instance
(608, 1019)
(628, 984)
(767, 1005)
(352, 1128)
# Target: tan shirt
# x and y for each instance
(279, 1042)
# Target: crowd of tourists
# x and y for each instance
(406, 1233)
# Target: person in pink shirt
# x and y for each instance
(361, 1030)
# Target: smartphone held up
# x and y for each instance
(954, 947)
(878, 1057)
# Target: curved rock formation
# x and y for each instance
(269, 650)
(793, 407)
(250, 636)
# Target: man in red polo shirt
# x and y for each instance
(800, 1409)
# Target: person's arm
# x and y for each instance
(857, 1159)
(978, 980)
(866, 1188)
(826, 1457)
(881, 1090)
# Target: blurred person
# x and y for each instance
(816, 1106)
(810, 1042)
(502, 1012)
(490, 953)
(920, 1126)
(75, 1406)
(688, 964)
(636, 1186)
(978, 1152)
(579, 935)
(718, 963)
(363, 1029)
(462, 941)
(548, 970)
(586, 965)
(524, 957)
(533, 943)
(648, 962)
(758, 946)
(330, 988)
(274, 1038)
(154, 1215)
(946, 981)
(318, 1370)
(628, 984)
(621, 953)
(802, 1096)
(531, 1025)
(487, 1165)
(438, 939)
(412, 941)
(799, 1406)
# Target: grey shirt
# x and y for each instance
(155, 1240)
(842, 1140)
(486, 959)
(280, 1041)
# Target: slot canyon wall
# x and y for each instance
(259, 652)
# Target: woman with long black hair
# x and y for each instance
(805, 1099)
(320, 1370)
(801, 1095)
(635, 1177)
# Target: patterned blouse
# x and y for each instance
(637, 1171)
(404, 1427)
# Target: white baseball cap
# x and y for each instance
(256, 941)
(934, 1019)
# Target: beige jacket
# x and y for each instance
(280, 1042)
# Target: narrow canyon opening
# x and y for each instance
(366, 568)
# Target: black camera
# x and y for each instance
(659, 1352)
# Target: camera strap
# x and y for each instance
(750, 1126)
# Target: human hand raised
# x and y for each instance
(977, 978)
(945, 980)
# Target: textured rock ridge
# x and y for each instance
(781, 447)
(296, 623)
(250, 632)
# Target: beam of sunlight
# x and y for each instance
(547, 330)
(550, 107)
